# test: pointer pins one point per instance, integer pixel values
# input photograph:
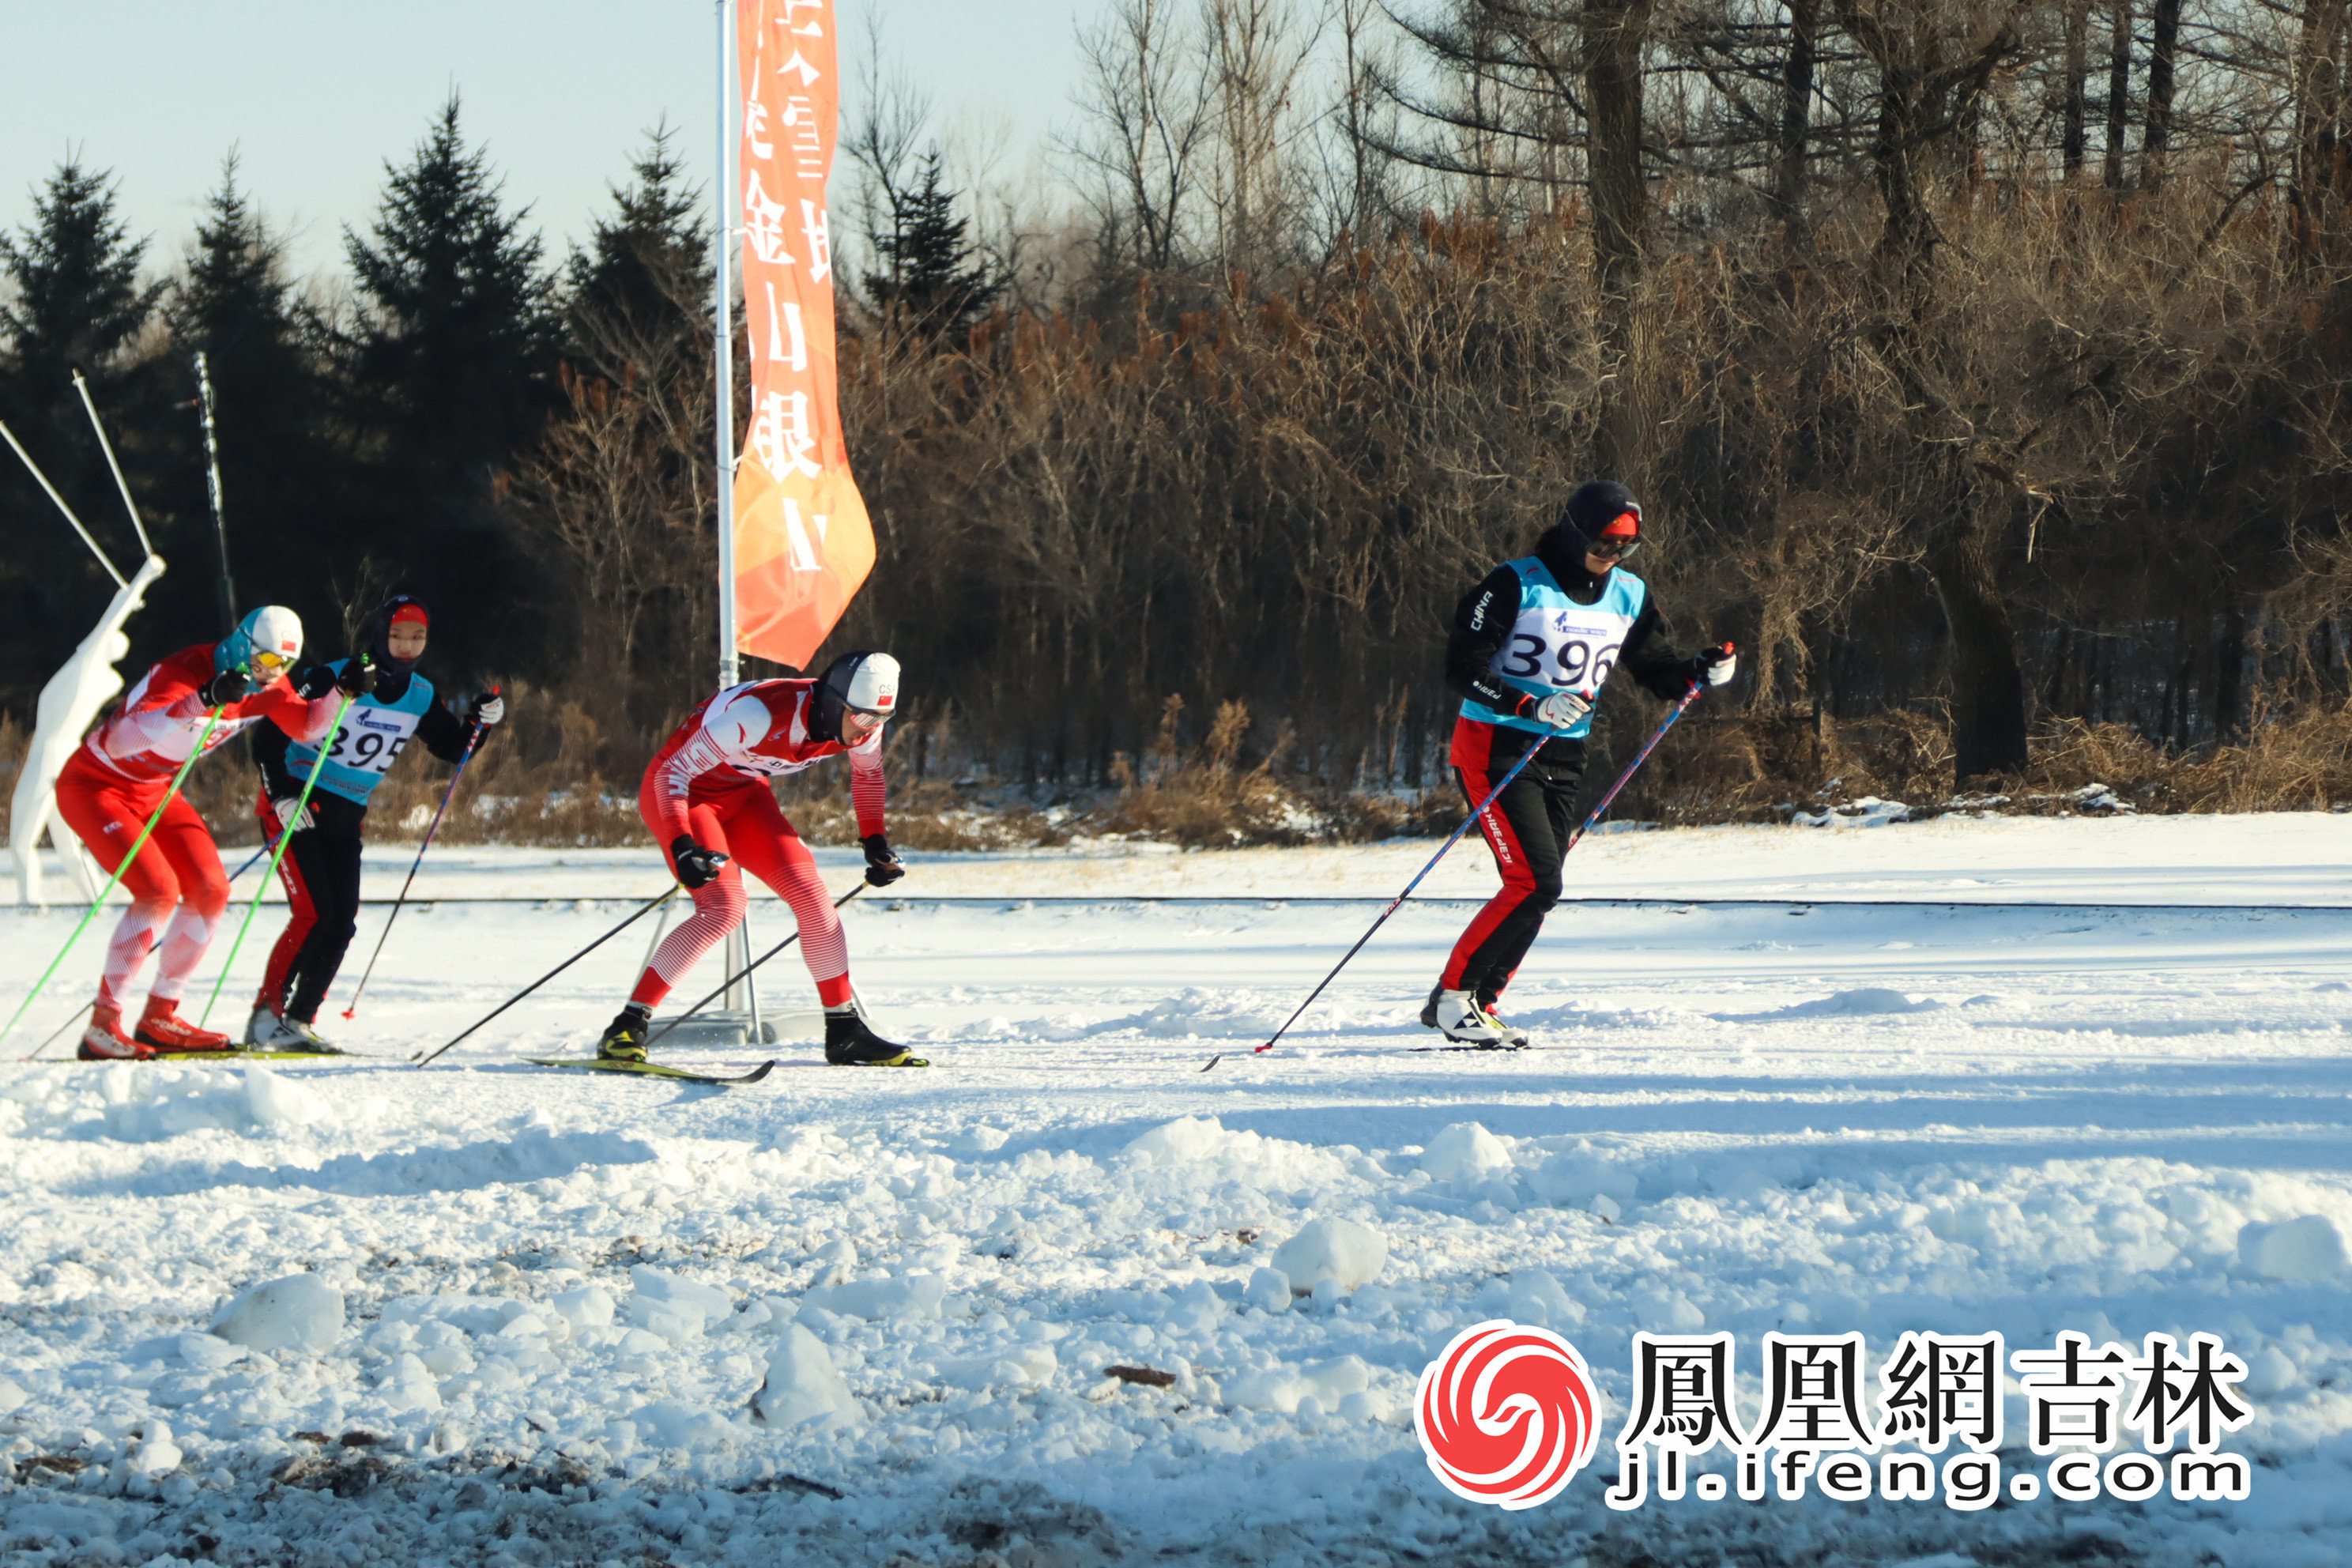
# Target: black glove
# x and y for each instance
(695, 865)
(882, 868)
(226, 687)
(313, 681)
(358, 678)
(1711, 666)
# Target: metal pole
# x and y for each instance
(723, 345)
(738, 949)
(213, 485)
(137, 527)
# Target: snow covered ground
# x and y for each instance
(552, 1299)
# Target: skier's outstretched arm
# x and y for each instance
(870, 793)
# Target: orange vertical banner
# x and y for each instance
(803, 543)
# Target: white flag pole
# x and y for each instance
(741, 997)
(723, 345)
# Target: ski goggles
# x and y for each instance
(1613, 546)
(269, 664)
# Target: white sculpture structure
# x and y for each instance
(70, 704)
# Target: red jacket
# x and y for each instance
(758, 729)
(159, 722)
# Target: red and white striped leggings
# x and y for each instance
(743, 822)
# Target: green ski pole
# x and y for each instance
(285, 837)
(92, 913)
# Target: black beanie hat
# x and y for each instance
(1596, 505)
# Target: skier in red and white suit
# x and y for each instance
(122, 774)
(706, 797)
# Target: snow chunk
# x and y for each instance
(980, 1140)
(156, 1452)
(1868, 812)
(1031, 1366)
(675, 1423)
(1577, 1179)
(1863, 1000)
(408, 1386)
(1465, 1152)
(273, 1101)
(300, 1310)
(1339, 1251)
(2270, 1371)
(2306, 1250)
(677, 1310)
(1268, 1290)
(13, 1394)
(804, 1388)
(586, 1308)
(1186, 1138)
(913, 1296)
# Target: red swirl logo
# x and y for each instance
(1506, 1415)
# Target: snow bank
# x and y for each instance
(2307, 1249)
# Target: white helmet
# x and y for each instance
(864, 683)
(266, 643)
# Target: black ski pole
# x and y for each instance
(1688, 699)
(649, 907)
(747, 969)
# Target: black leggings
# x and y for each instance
(1527, 828)
(321, 873)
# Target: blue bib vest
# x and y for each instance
(1557, 645)
(361, 751)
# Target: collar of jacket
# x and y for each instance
(1563, 556)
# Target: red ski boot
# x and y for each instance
(161, 1026)
(104, 1040)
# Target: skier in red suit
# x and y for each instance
(706, 797)
(123, 771)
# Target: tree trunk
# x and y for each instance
(2071, 139)
(2164, 48)
(2119, 42)
(2230, 676)
(1796, 114)
(1988, 687)
(2319, 78)
(1614, 31)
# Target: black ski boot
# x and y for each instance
(625, 1036)
(1429, 1008)
(849, 1043)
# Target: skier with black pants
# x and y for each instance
(1530, 649)
(321, 867)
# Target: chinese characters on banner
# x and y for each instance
(1936, 1391)
(802, 543)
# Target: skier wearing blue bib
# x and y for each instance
(1530, 649)
(321, 864)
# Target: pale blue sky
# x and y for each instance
(317, 95)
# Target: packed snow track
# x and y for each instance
(532, 1311)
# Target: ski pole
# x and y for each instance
(1688, 699)
(747, 969)
(649, 907)
(123, 865)
(1639, 758)
(447, 796)
(277, 853)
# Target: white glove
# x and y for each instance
(1720, 664)
(292, 814)
(1563, 709)
(489, 709)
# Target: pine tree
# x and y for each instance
(449, 377)
(69, 280)
(74, 278)
(455, 351)
(928, 272)
(233, 303)
(637, 291)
